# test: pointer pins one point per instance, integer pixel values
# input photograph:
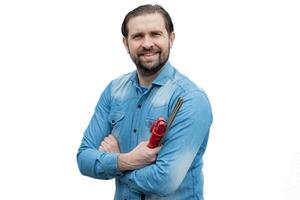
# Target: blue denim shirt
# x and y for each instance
(127, 112)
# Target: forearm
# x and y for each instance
(97, 164)
(151, 179)
(162, 177)
(91, 161)
(124, 163)
(139, 157)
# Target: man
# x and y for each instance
(115, 142)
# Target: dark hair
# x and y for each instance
(147, 9)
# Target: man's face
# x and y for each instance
(148, 43)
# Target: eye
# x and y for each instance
(156, 34)
(137, 36)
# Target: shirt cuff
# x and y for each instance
(109, 164)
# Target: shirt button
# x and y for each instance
(134, 130)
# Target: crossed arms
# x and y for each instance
(139, 157)
(157, 171)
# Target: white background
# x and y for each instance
(57, 56)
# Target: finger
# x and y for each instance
(112, 138)
(156, 149)
(153, 159)
(103, 143)
(144, 143)
(107, 140)
(105, 146)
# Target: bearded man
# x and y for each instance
(115, 143)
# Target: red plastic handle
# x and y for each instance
(158, 130)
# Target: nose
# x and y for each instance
(147, 43)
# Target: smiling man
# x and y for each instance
(114, 144)
(148, 43)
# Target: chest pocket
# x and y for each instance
(116, 119)
(156, 112)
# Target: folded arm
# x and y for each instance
(186, 137)
(94, 162)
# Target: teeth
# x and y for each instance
(149, 54)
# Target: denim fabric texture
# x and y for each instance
(127, 111)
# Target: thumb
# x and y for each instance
(157, 149)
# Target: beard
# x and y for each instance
(149, 69)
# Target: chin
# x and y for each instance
(150, 64)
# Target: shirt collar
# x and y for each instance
(164, 75)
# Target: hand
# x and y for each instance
(139, 157)
(109, 144)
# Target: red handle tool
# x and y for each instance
(160, 126)
(158, 130)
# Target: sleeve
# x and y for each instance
(187, 136)
(91, 161)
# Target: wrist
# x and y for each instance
(124, 162)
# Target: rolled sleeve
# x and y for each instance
(109, 164)
(96, 164)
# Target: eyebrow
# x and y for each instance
(136, 34)
(142, 33)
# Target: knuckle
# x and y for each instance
(111, 136)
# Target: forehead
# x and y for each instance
(146, 23)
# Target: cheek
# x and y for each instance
(133, 49)
(164, 45)
(133, 46)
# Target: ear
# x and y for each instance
(126, 44)
(172, 38)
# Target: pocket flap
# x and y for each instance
(115, 117)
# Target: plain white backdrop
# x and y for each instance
(57, 56)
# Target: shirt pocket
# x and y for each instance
(156, 112)
(116, 119)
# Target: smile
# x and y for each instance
(149, 55)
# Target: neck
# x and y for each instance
(146, 81)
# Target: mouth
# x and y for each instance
(149, 55)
